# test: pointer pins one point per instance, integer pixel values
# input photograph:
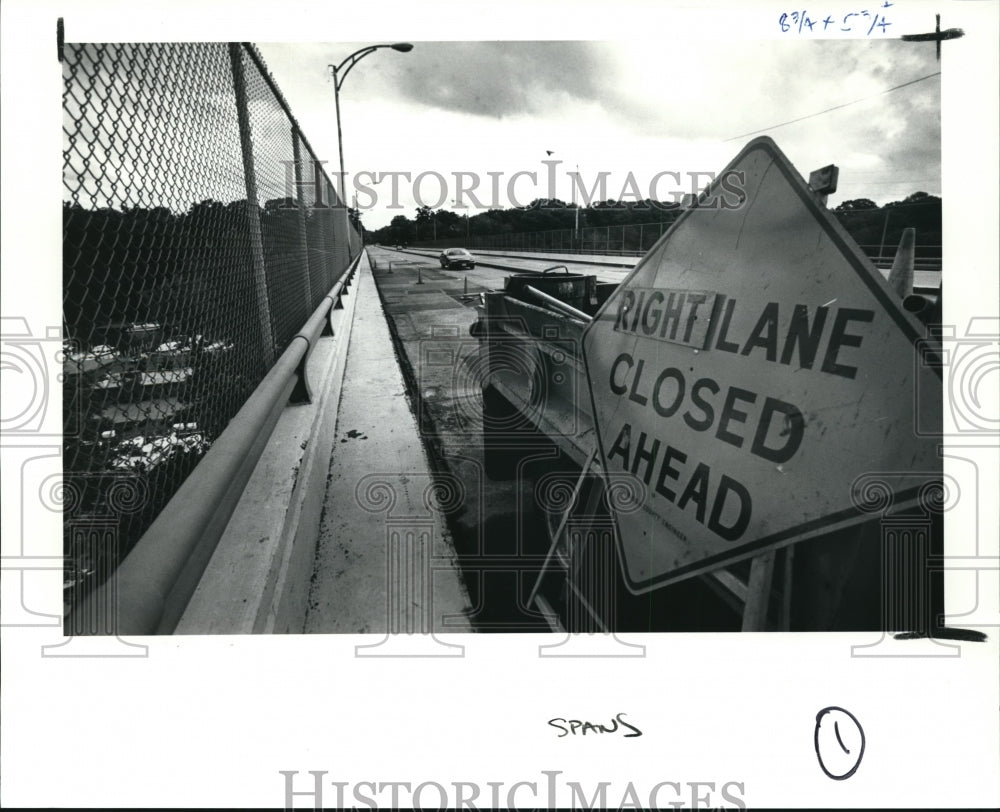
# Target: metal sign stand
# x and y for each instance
(758, 593)
(557, 536)
(755, 595)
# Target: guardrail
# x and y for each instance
(153, 585)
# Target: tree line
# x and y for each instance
(867, 223)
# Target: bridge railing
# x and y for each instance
(202, 244)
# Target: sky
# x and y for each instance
(616, 107)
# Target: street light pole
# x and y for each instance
(576, 211)
(339, 74)
(576, 208)
(340, 138)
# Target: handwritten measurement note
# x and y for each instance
(868, 23)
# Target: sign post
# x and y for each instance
(748, 374)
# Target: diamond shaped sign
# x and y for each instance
(753, 380)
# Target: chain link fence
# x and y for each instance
(199, 233)
(626, 240)
(877, 230)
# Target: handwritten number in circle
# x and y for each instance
(840, 742)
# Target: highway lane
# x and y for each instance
(499, 532)
(490, 271)
(492, 268)
(499, 528)
(499, 546)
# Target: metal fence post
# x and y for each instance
(300, 202)
(341, 229)
(885, 229)
(253, 211)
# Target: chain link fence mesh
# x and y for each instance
(877, 231)
(190, 261)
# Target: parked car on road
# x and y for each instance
(458, 257)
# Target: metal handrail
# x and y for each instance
(558, 304)
(152, 587)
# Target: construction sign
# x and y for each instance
(748, 375)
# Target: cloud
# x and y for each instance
(750, 86)
(640, 105)
(499, 79)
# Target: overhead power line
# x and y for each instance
(838, 107)
(907, 182)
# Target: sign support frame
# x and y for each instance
(756, 599)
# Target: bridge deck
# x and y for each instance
(384, 560)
